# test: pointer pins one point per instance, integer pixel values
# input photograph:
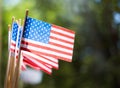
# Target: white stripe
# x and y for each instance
(12, 47)
(49, 46)
(63, 32)
(62, 37)
(47, 51)
(12, 41)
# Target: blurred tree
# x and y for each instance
(96, 59)
(96, 55)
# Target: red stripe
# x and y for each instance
(51, 55)
(61, 34)
(62, 28)
(23, 68)
(13, 44)
(61, 40)
(46, 48)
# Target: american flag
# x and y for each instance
(17, 47)
(43, 44)
(13, 36)
(49, 40)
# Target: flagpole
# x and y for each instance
(8, 64)
(8, 76)
(9, 36)
(17, 72)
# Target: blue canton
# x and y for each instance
(37, 30)
(14, 31)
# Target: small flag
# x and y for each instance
(49, 40)
(42, 44)
(13, 36)
(17, 47)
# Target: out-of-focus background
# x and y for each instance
(96, 58)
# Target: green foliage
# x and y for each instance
(96, 58)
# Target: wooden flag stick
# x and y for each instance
(19, 22)
(17, 72)
(8, 64)
(8, 77)
(9, 37)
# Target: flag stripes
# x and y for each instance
(40, 59)
(35, 64)
(59, 46)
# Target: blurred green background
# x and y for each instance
(96, 59)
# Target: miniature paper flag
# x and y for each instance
(49, 40)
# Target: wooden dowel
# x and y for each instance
(9, 37)
(19, 22)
